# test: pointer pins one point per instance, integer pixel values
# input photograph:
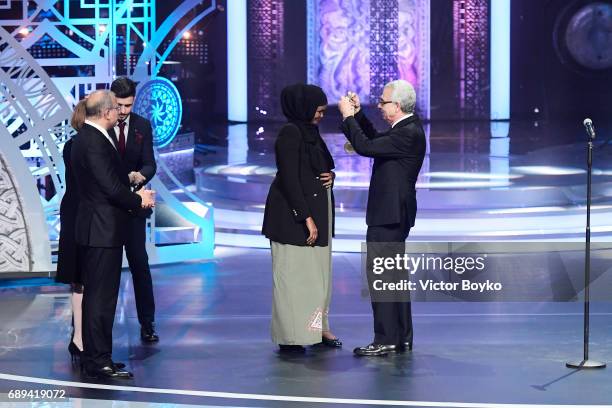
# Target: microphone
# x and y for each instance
(588, 125)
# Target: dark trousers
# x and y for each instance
(392, 319)
(138, 260)
(101, 278)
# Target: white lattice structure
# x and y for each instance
(77, 41)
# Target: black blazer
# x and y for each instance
(139, 154)
(104, 192)
(398, 156)
(296, 192)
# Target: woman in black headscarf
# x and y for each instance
(299, 221)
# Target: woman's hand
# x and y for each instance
(327, 179)
(312, 229)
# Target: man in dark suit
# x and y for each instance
(398, 155)
(135, 145)
(105, 200)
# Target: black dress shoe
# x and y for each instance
(118, 365)
(374, 349)
(402, 347)
(335, 343)
(109, 371)
(148, 335)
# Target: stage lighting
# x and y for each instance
(547, 170)
(470, 176)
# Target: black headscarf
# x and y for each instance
(299, 103)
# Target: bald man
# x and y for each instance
(105, 200)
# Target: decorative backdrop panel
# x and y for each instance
(471, 48)
(384, 38)
(360, 45)
(266, 51)
(14, 243)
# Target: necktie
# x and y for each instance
(121, 146)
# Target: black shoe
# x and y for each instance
(147, 334)
(402, 347)
(75, 353)
(335, 343)
(374, 349)
(109, 371)
(119, 366)
(291, 348)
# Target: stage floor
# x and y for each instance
(213, 320)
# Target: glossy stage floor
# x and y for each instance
(213, 319)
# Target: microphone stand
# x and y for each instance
(586, 363)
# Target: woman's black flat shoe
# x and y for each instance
(336, 343)
(291, 348)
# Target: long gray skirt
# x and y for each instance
(302, 290)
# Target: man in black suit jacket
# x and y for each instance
(105, 200)
(135, 145)
(398, 155)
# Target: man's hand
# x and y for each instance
(346, 107)
(327, 179)
(354, 100)
(313, 232)
(148, 198)
(136, 178)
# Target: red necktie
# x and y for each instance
(121, 146)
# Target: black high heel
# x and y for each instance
(75, 353)
(73, 349)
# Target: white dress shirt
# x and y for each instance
(101, 129)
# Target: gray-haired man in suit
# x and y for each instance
(398, 155)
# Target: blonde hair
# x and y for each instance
(78, 116)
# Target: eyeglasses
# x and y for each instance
(117, 108)
(381, 101)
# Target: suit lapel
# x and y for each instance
(115, 138)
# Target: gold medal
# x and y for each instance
(348, 147)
